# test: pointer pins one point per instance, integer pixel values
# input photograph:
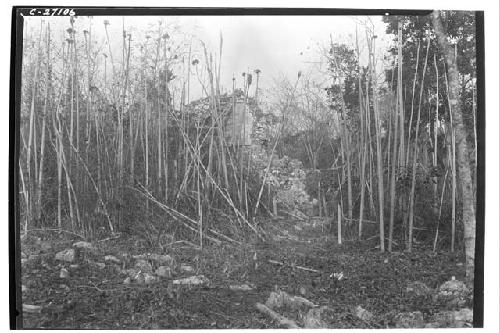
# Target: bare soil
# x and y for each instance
(300, 258)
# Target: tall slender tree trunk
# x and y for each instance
(56, 124)
(464, 172)
(58, 134)
(70, 191)
(167, 111)
(25, 195)
(30, 179)
(378, 125)
(159, 127)
(146, 136)
(415, 155)
(369, 149)
(435, 128)
(349, 176)
(412, 103)
(452, 157)
(402, 159)
(72, 87)
(397, 125)
(124, 100)
(38, 205)
(439, 213)
(362, 118)
(474, 110)
(77, 100)
(393, 182)
(185, 147)
(198, 186)
(220, 126)
(453, 167)
(132, 137)
(392, 176)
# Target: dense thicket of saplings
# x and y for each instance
(112, 140)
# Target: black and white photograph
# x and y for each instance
(225, 168)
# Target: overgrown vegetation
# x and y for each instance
(113, 143)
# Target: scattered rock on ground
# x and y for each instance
(363, 314)
(316, 317)
(418, 288)
(186, 268)
(112, 258)
(67, 255)
(313, 318)
(29, 308)
(161, 259)
(139, 278)
(131, 272)
(453, 292)
(241, 287)
(64, 274)
(409, 320)
(65, 287)
(117, 268)
(143, 265)
(100, 265)
(282, 321)
(83, 245)
(441, 320)
(164, 272)
(281, 299)
(464, 315)
(45, 246)
(453, 287)
(146, 278)
(453, 319)
(149, 278)
(193, 280)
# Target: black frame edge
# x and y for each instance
(15, 296)
(478, 317)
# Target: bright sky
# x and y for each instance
(277, 45)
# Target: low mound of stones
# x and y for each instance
(453, 293)
(147, 268)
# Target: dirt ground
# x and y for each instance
(301, 258)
